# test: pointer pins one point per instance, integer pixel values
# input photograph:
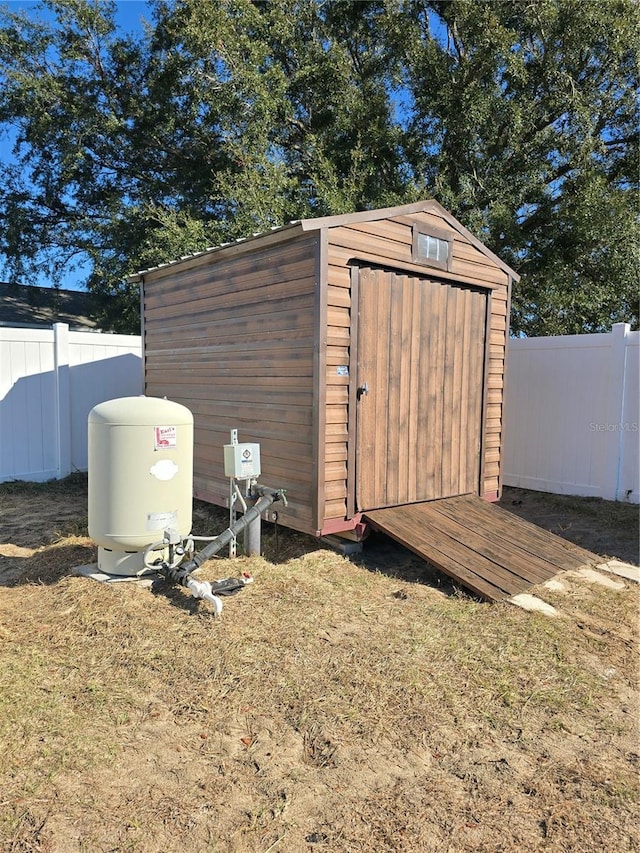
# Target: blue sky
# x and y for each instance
(128, 17)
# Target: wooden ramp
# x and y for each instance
(482, 546)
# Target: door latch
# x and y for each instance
(362, 390)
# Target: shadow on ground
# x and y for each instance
(608, 528)
(47, 565)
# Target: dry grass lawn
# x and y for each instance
(334, 708)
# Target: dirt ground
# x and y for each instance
(33, 515)
(604, 527)
(338, 706)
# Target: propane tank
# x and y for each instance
(140, 478)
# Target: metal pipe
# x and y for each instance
(181, 574)
(252, 538)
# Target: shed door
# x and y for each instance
(420, 362)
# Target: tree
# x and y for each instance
(220, 120)
(226, 118)
(338, 133)
(524, 124)
(124, 147)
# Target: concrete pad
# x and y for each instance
(92, 572)
(533, 604)
(346, 547)
(555, 586)
(592, 576)
(623, 570)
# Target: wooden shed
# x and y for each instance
(364, 352)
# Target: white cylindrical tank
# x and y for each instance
(140, 478)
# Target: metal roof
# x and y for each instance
(425, 206)
(209, 250)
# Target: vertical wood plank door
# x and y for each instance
(420, 375)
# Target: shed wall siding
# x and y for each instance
(233, 339)
(384, 242)
(498, 334)
(257, 337)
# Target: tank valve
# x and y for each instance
(202, 589)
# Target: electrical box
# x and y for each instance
(242, 461)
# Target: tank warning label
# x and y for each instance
(162, 520)
(164, 437)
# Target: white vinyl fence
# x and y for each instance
(571, 414)
(570, 425)
(50, 379)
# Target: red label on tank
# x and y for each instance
(165, 437)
